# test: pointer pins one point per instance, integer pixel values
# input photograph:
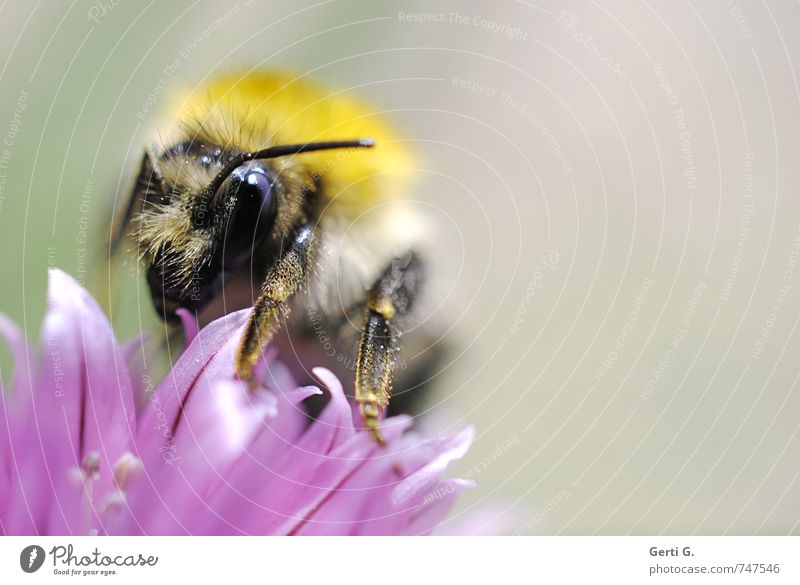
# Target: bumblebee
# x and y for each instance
(270, 184)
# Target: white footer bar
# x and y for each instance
(407, 561)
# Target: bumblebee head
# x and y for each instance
(206, 210)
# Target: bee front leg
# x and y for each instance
(283, 280)
(388, 301)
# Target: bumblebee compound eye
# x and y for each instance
(252, 215)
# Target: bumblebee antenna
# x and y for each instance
(276, 152)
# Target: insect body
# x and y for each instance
(269, 180)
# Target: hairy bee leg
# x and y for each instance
(284, 279)
(388, 301)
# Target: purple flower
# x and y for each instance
(85, 448)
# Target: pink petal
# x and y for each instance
(344, 509)
(20, 353)
(436, 505)
(208, 455)
(162, 414)
(335, 423)
(219, 426)
(417, 484)
(416, 470)
(486, 519)
(190, 326)
(84, 377)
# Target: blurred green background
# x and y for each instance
(615, 193)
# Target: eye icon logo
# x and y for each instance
(31, 558)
